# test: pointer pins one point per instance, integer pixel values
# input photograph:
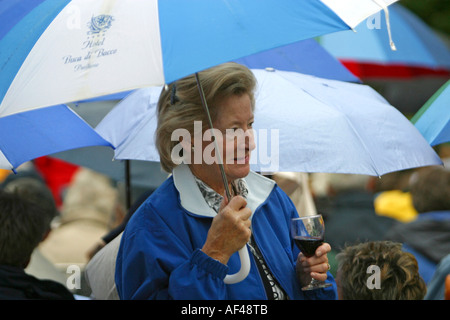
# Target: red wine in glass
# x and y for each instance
(308, 245)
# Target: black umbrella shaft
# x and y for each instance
(218, 155)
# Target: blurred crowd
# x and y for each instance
(367, 219)
(87, 205)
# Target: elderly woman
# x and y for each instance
(183, 240)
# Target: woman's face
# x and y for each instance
(234, 119)
(233, 130)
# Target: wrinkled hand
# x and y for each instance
(229, 231)
(313, 267)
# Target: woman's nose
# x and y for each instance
(250, 140)
(247, 141)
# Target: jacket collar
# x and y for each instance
(259, 189)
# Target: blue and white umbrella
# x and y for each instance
(59, 51)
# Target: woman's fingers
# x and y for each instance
(323, 249)
(230, 229)
(315, 266)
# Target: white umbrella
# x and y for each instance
(312, 125)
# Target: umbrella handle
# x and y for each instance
(243, 272)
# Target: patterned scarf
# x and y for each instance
(213, 199)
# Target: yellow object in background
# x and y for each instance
(395, 204)
(3, 174)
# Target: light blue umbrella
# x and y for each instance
(433, 119)
(321, 126)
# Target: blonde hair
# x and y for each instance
(180, 104)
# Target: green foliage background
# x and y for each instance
(436, 13)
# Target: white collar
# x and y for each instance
(259, 189)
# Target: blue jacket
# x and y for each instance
(160, 257)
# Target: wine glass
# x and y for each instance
(308, 234)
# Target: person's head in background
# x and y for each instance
(443, 150)
(378, 270)
(34, 189)
(430, 189)
(25, 217)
